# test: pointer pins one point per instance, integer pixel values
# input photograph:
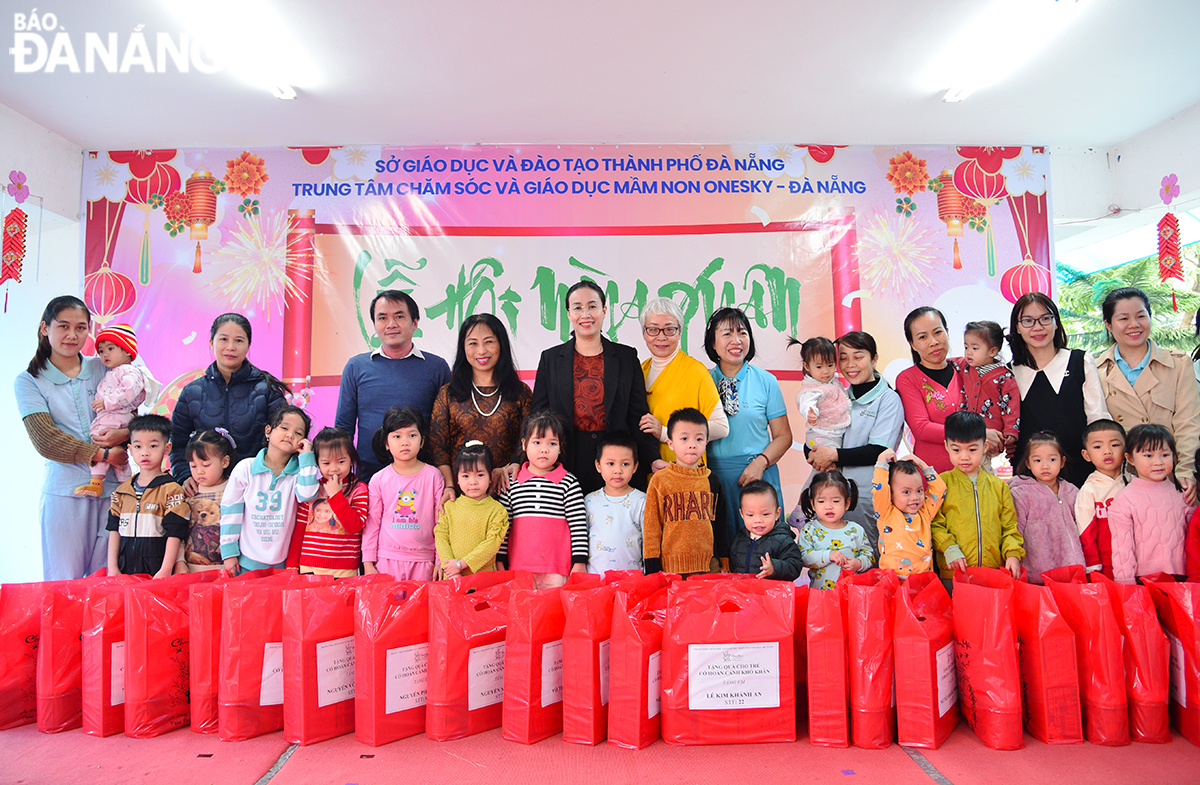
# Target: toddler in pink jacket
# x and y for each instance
(1148, 519)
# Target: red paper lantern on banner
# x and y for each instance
(151, 176)
(1024, 278)
(202, 211)
(985, 188)
(108, 293)
(951, 211)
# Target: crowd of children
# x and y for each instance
(300, 504)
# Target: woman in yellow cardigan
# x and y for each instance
(674, 380)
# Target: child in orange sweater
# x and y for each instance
(683, 506)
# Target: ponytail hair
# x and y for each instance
(53, 309)
(834, 479)
(241, 321)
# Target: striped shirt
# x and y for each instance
(534, 502)
(258, 510)
(329, 530)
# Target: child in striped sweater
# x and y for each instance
(548, 532)
(328, 536)
(472, 526)
(258, 509)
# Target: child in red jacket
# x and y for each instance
(988, 387)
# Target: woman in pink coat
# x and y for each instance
(932, 388)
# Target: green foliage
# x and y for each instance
(1079, 296)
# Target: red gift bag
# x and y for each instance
(1049, 669)
(587, 648)
(926, 680)
(391, 661)
(319, 659)
(828, 673)
(250, 681)
(533, 665)
(204, 623)
(870, 628)
(104, 660)
(1178, 607)
(985, 653)
(468, 618)
(60, 651)
(800, 649)
(1088, 611)
(616, 576)
(1147, 658)
(635, 664)
(728, 671)
(20, 629)
(157, 653)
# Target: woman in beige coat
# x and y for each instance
(1144, 383)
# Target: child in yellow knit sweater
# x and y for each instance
(471, 528)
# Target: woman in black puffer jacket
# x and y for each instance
(232, 394)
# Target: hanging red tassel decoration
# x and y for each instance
(13, 252)
(957, 257)
(1169, 263)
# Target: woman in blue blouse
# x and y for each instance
(54, 396)
(759, 432)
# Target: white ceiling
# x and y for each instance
(850, 72)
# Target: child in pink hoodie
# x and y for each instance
(1045, 507)
(1148, 519)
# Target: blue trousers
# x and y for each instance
(74, 539)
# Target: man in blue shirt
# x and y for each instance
(395, 374)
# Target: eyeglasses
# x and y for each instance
(670, 332)
(589, 308)
(1045, 320)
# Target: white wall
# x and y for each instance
(53, 166)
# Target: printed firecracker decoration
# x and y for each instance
(14, 245)
(1169, 263)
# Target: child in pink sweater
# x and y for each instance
(1148, 519)
(1045, 506)
(398, 538)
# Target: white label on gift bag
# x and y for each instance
(1178, 673)
(947, 679)
(271, 693)
(552, 673)
(485, 676)
(117, 674)
(654, 686)
(407, 677)
(335, 671)
(733, 676)
(604, 672)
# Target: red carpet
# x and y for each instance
(34, 758)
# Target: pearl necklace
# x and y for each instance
(475, 403)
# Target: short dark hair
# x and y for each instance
(584, 284)
(1096, 426)
(283, 410)
(688, 415)
(966, 427)
(617, 439)
(758, 488)
(397, 296)
(905, 467)
(330, 438)
(542, 422)
(988, 331)
(394, 419)
(915, 314)
(834, 479)
(735, 317)
(151, 423)
(473, 455)
(1151, 436)
(862, 341)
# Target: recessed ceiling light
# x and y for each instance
(954, 95)
(284, 92)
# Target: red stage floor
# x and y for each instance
(185, 758)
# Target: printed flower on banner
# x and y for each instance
(248, 207)
(1168, 193)
(16, 186)
(907, 174)
(934, 185)
(974, 215)
(246, 174)
(175, 206)
(217, 187)
(104, 182)
(906, 207)
(155, 201)
(990, 159)
(175, 228)
(1027, 173)
(355, 162)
